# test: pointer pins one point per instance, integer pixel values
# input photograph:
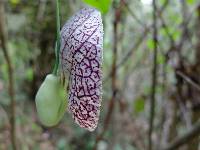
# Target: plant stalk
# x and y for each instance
(57, 46)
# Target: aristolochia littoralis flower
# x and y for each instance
(81, 58)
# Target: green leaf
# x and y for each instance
(161, 59)
(190, 2)
(102, 5)
(15, 2)
(62, 144)
(139, 104)
(150, 44)
(176, 34)
(29, 74)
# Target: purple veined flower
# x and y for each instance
(81, 58)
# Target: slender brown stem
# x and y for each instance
(3, 39)
(132, 13)
(189, 80)
(139, 41)
(154, 77)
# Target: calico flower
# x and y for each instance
(81, 61)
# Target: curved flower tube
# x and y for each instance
(81, 60)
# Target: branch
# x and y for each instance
(132, 13)
(141, 39)
(164, 25)
(189, 80)
(147, 29)
(154, 76)
(194, 132)
(3, 38)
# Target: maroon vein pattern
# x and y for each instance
(81, 59)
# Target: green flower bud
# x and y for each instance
(50, 101)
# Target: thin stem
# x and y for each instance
(189, 80)
(154, 76)
(3, 38)
(138, 42)
(57, 47)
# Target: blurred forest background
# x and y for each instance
(151, 70)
